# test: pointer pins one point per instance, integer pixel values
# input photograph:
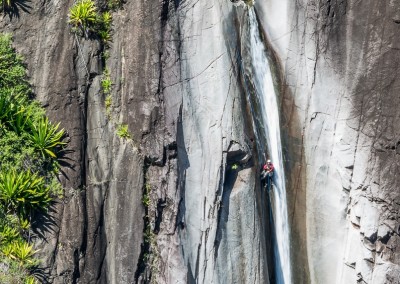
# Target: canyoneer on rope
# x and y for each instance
(267, 174)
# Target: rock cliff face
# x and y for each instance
(341, 110)
(178, 87)
(178, 84)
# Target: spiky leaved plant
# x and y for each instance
(83, 15)
(123, 132)
(46, 137)
(21, 251)
(22, 192)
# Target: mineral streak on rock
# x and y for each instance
(177, 83)
(178, 87)
(340, 109)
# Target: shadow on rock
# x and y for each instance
(15, 6)
(40, 274)
(65, 162)
(223, 214)
(45, 222)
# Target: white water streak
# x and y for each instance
(269, 109)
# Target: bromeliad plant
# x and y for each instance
(83, 15)
(7, 234)
(123, 131)
(106, 83)
(12, 71)
(104, 27)
(22, 193)
(86, 20)
(29, 146)
(20, 251)
(46, 137)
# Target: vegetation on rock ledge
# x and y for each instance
(29, 147)
(87, 19)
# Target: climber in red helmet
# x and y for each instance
(267, 173)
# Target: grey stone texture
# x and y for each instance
(340, 113)
(177, 85)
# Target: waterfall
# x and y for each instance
(267, 97)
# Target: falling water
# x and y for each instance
(265, 90)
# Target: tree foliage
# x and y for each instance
(29, 148)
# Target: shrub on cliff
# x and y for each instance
(22, 193)
(86, 20)
(83, 15)
(12, 70)
(46, 137)
(29, 144)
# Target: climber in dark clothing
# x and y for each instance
(267, 173)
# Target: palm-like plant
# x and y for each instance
(30, 280)
(7, 234)
(104, 27)
(19, 121)
(83, 14)
(13, 113)
(6, 108)
(21, 251)
(46, 137)
(123, 132)
(22, 192)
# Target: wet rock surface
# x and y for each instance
(340, 110)
(177, 86)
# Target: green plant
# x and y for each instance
(14, 273)
(114, 4)
(106, 19)
(83, 15)
(20, 120)
(235, 166)
(55, 187)
(30, 280)
(13, 81)
(103, 28)
(20, 251)
(108, 101)
(17, 152)
(146, 200)
(24, 224)
(123, 132)
(105, 54)
(46, 137)
(106, 83)
(7, 234)
(105, 36)
(22, 192)
(249, 3)
(6, 108)
(108, 104)
(29, 144)
(146, 195)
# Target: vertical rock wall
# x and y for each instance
(340, 109)
(177, 85)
